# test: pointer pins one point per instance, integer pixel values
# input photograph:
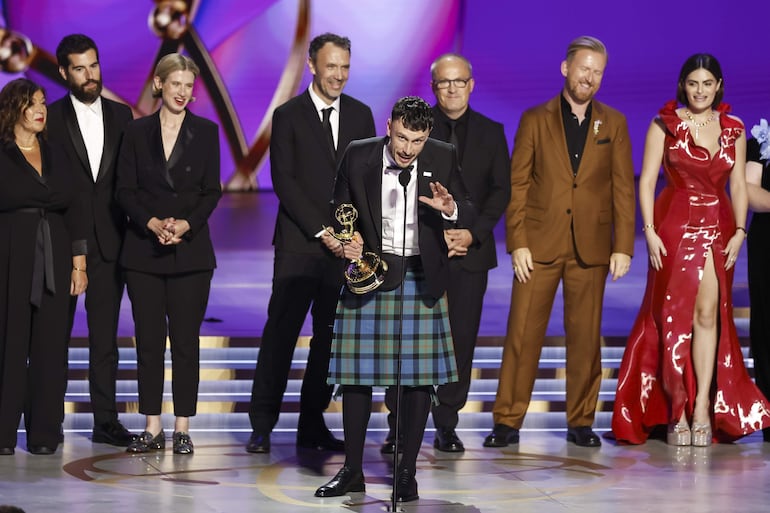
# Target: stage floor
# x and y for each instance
(543, 474)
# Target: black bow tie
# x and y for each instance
(399, 168)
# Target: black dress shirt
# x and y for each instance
(575, 131)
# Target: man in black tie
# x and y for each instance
(484, 159)
(309, 132)
(89, 128)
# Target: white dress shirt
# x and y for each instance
(393, 210)
(91, 123)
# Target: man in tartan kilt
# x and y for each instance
(396, 217)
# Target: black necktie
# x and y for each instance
(453, 136)
(327, 126)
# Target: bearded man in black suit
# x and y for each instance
(89, 129)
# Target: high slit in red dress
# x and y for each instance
(693, 213)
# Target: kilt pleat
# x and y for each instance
(366, 338)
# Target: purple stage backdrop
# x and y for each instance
(253, 53)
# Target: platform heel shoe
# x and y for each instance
(701, 435)
(678, 434)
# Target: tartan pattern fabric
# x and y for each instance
(366, 338)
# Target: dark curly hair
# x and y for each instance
(414, 113)
(15, 97)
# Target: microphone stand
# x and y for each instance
(403, 178)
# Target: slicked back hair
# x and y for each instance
(586, 43)
(319, 41)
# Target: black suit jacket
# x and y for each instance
(486, 171)
(359, 181)
(105, 220)
(186, 187)
(303, 168)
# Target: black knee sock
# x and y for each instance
(414, 417)
(356, 410)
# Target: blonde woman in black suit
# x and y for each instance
(168, 185)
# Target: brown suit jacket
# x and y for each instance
(546, 199)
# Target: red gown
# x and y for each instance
(693, 214)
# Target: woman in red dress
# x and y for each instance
(683, 365)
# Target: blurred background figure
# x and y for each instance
(758, 245)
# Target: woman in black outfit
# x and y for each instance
(42, 263)
(758, 188)
(168, 185)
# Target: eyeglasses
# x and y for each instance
(460, 83)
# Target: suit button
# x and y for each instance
(569, 211)
(574, 186)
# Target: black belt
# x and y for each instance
(42, 268)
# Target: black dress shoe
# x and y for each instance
(147, 443)
(389, 445)
(583, 436)
(406, 486)
(323, 440)
(447, 441)
(346, 481)
(113, 433)
(41, 449)
(502, 436)
(182, 443)
(258, 443)
(7, 451)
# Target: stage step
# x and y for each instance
(227, 368)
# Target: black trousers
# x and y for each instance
(33, 367)
(465, 297)
(102, 299)
(301, 282)
(172, 304)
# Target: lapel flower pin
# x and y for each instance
(760, 133)
(597, 124)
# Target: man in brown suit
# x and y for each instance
(570, 219)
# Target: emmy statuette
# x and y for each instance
(362, 274)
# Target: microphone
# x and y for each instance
(405, 176)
